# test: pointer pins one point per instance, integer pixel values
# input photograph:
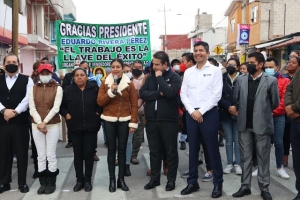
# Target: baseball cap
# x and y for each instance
(45, 67)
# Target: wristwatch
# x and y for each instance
(2, 111)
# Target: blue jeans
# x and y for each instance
(231, 136)
(129, 148)
(279, 124)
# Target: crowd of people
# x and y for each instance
(256, 104)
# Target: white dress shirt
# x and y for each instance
(23, 105)
(201, 88)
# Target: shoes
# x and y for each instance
(190, 188)
(35, 174)
(266, 195)
(242, 192)
(185, 174)
(165, 167)
(121, 184)
(149, 172)
(134, 161)
(182, 146)
(282, 173)
(43, 182)
(112, 185)
(238, 170)
(127, 170)
(254, 173)
(24, 188)
(217, 192)
(228, 169)
(170, 185)
(51, 181)
(69, 145)
(208, 177)
(151, 185)
(78, 187)
(4, 188)
(88, 186)
(96, 158)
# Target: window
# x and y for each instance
(232, 25)
(254, 13)
(53, 30)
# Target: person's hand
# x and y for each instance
(44, 131)
(131, 130)
(41, 126)
(68, 116)
(236, 113)
(158, 73)
(289, 111)
(114, 87)
(161, 94)
(232, 109)
(197, 116)
(9, 113)
(294, 115)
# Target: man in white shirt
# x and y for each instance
(200, 93)
(14, 122)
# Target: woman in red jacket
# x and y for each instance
(272, 68)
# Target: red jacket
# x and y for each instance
(282, 84)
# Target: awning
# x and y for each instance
(271, 43)
(6, 37)
(295, 40)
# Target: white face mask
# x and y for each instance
(45, 79)
(129, 75)
(176, 67)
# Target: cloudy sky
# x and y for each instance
(121, 11)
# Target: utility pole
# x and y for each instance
(15, 27)
(165, 40)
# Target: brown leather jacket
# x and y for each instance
(120, 107)
(44, 96)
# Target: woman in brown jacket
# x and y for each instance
(119, 99)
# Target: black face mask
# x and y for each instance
(137, 72)
(251, 69)
(11, 68)
(230, 69)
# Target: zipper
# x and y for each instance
(83, 109)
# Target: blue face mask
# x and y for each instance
(100, 76)
(270, 71)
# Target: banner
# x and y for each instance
(243, 34)
(98, 44)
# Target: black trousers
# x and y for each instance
(34, 151)
(207, 161)
(84, 148)
(295, 142)
(13, 139)
(116, 131)
(162, 135)
(286, 139)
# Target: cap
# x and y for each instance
(45, 67)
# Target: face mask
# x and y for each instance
(45, 79)
(11, 68)
(137, 72)
(230, 69)
(182, 67)
(270, 71)
(129, 75)
(176, 67)
(100, 76)
(251, 69)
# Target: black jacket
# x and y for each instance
(68, 80)
(167, 105)
(82, 106)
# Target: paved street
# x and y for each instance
(279, 188)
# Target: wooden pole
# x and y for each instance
(15, 27)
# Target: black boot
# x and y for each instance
(121, 184)
(112, 184)
(51, 181)
(43, 181)
(127, 170)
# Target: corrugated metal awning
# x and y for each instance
(295, 40)
(268, 44)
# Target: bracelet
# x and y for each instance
(3, 110)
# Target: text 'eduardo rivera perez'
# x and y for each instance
(104, 31)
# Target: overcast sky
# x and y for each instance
(121, 11)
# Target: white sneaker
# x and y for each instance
(282, 173)
(228, 169)
(254, 173)
(238, 170)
